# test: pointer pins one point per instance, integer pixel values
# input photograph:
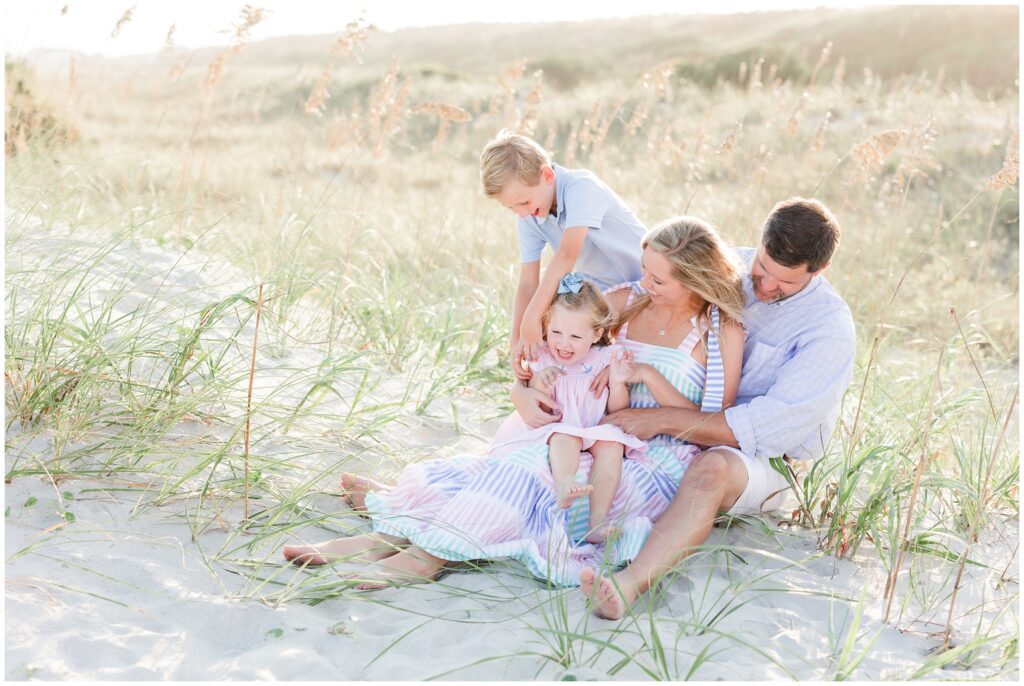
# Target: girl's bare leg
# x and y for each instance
(411, 566)
(354, 489)
(564, 454)
(604, 478)
(365, 548)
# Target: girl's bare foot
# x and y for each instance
(605, 597)
(604, 533)
(354, 489)
(411, 566)
(567, 491)
(365, 548)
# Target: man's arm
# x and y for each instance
(806, 394)
(561, 264)
(702, 428)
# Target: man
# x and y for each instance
(797, 363)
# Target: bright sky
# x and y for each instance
(87, 25)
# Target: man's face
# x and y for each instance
(774, 282)
(530, 201)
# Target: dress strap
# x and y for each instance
(693, 338)
(634, 290)
(714, 381)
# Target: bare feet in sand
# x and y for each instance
(604, 533)
(363, 548)
(603, 597)
(411, 566)
(568, 491)
(354, 489)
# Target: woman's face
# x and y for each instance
(658, 281)
(570, 334)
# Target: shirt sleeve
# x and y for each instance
(586, 203)
(531, 241)
(806, 395)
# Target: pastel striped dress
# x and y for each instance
(502, 504)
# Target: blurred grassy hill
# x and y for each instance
(979, 45)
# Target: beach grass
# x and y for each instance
(136, 262)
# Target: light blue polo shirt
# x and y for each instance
(611, 252)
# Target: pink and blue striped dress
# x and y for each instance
(502, 504)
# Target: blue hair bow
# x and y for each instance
(570, 283)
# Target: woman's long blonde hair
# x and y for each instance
(701, 261)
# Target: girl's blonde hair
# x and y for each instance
(511, 156)
(591, 299)
(701, 261)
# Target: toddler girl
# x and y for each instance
(577, 348)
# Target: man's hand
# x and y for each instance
(535, 407)
(531, 337)
(515, 359)
(642, 423)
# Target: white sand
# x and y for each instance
(123, 592)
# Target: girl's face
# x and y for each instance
(658, 281)
(570, 334)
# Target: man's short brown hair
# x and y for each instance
(800, 231)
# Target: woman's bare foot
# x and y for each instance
(354, 489)
(606, 597)
(411, 566)
(603, 533)
(365, 548)
(569, 490)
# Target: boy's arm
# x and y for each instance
(529, 276)
(530, 334)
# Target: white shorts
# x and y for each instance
(766, 489)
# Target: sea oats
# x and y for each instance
(1010, 171)
(125, 18)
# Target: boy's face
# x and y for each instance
(530, 201)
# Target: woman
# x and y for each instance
(682, 318)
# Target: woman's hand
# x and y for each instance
(535, 407)
(600, 383)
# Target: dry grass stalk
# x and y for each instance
(839, 74)
(638, 118)
(64, 10)
(447, 114)
(658, 79)
(755, 75)
(872, 152)
(169, 40)
(822, 60)
(972, 534)
(818, 141)
(316, 103)
(728, 145)
(890, 585)
(385, 108)
(1010, 171)
(741, 77)
(125, 18)
(248, 401)
(528, 119)
(797, 114)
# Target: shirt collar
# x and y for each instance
(560, 180)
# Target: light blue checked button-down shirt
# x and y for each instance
(797, 364)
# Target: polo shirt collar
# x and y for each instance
(561, 178)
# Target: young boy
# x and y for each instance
(589, 228)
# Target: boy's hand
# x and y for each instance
(545, 379)
(623, 368)
(515, 356)
(531, 338)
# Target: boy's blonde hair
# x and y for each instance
(591, 299)
(511, 156)
(701, 261)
